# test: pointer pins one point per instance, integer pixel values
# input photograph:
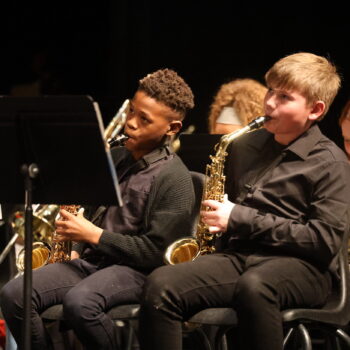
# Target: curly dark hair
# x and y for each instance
(166, 86)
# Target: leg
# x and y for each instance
(174, 293)
(85, 305)
(50, 283)
(269, 285)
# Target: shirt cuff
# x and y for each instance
(241, 221)
(106, 240)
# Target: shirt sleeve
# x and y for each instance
(168, 217)
(319, 238)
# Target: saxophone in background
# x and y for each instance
(116, 125)
(189, 248)
(48, 250)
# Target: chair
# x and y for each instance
(330, 319)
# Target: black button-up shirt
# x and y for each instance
(135, 181)
(291, 200)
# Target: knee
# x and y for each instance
(253, 290)
(160, 288)
(11, 295)
(79, 304)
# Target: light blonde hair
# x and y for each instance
(345, 114)
(246, 96)
(315, 77)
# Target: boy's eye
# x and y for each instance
(144, 119)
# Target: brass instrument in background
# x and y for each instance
(116, 125)
(176, 143)
(46, 249)
(189, 248)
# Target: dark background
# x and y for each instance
(103, 48)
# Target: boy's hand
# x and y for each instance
(217, 218)
(77, 228)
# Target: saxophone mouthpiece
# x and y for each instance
(258, 122)
(118, 140)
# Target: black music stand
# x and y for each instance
(52, 152)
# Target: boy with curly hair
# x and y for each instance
(116, 250)
(282, 225)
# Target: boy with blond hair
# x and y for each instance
(282, 225)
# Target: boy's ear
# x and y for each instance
(317, 110)
(174, 127)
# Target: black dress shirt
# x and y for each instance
(135, 181)
(158, 208)
(291, 200)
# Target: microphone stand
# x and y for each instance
(30, 172)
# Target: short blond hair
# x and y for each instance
(315, 77)
(345, 114)
(246, 96)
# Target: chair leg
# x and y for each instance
(305, 337)
(205, 343)
(223, 343)
(221, 338)
(130, 337)
(340, 334)
(287, 337)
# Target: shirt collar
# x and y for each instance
(131, 165)
(155, 155)
(305, 142)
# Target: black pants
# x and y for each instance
(258, 287)
(86, 293)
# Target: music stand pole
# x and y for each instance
(30, 172)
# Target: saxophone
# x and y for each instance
(49, 250)
(189, 248)
(112, 132)
(60, 251)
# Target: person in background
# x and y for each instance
(235, 105)
(344, 122)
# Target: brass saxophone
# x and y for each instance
(116, 125)
(61, 251)
(49, 250)
(189, 248)
(46, 248)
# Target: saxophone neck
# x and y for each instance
(253, 125)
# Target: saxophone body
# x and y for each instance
(189, 248)
(60, 251)
(49, 250)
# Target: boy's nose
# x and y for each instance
(131, 123)
(270, 103)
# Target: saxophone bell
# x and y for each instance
(49, 250)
